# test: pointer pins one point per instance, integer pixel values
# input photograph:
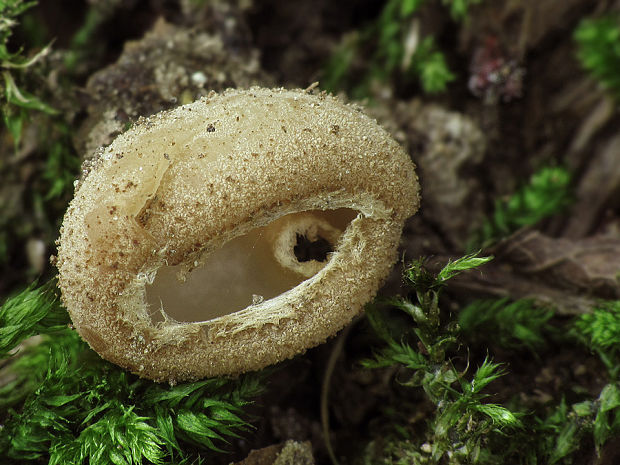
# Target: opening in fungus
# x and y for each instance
(306, 249)
(249, 269)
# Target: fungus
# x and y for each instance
(233, 232)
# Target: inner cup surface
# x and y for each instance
(249, 269)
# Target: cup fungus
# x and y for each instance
(233, 232)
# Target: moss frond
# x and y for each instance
(598, 51)
(397, 50)
(32, 311)
(463, 421)
(71, 407)
(514, 325)
(600, 332)
(547, 193)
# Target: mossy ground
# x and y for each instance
(532, 83)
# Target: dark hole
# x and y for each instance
(306, 250)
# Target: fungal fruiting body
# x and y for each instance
(233, 232)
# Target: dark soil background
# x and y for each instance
(146, 56)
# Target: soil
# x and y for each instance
(474, 144)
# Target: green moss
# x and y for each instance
(514, 325)
(396, 51)
(30, 208)
(598, 42)
(459, 9)
(463, 426)
(16, 102)
(463, 422)
(33, 311)
(600, 332)
(65, 405)
(547, 193)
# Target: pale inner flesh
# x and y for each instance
(249, 269)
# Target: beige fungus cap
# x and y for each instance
(316, 191)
